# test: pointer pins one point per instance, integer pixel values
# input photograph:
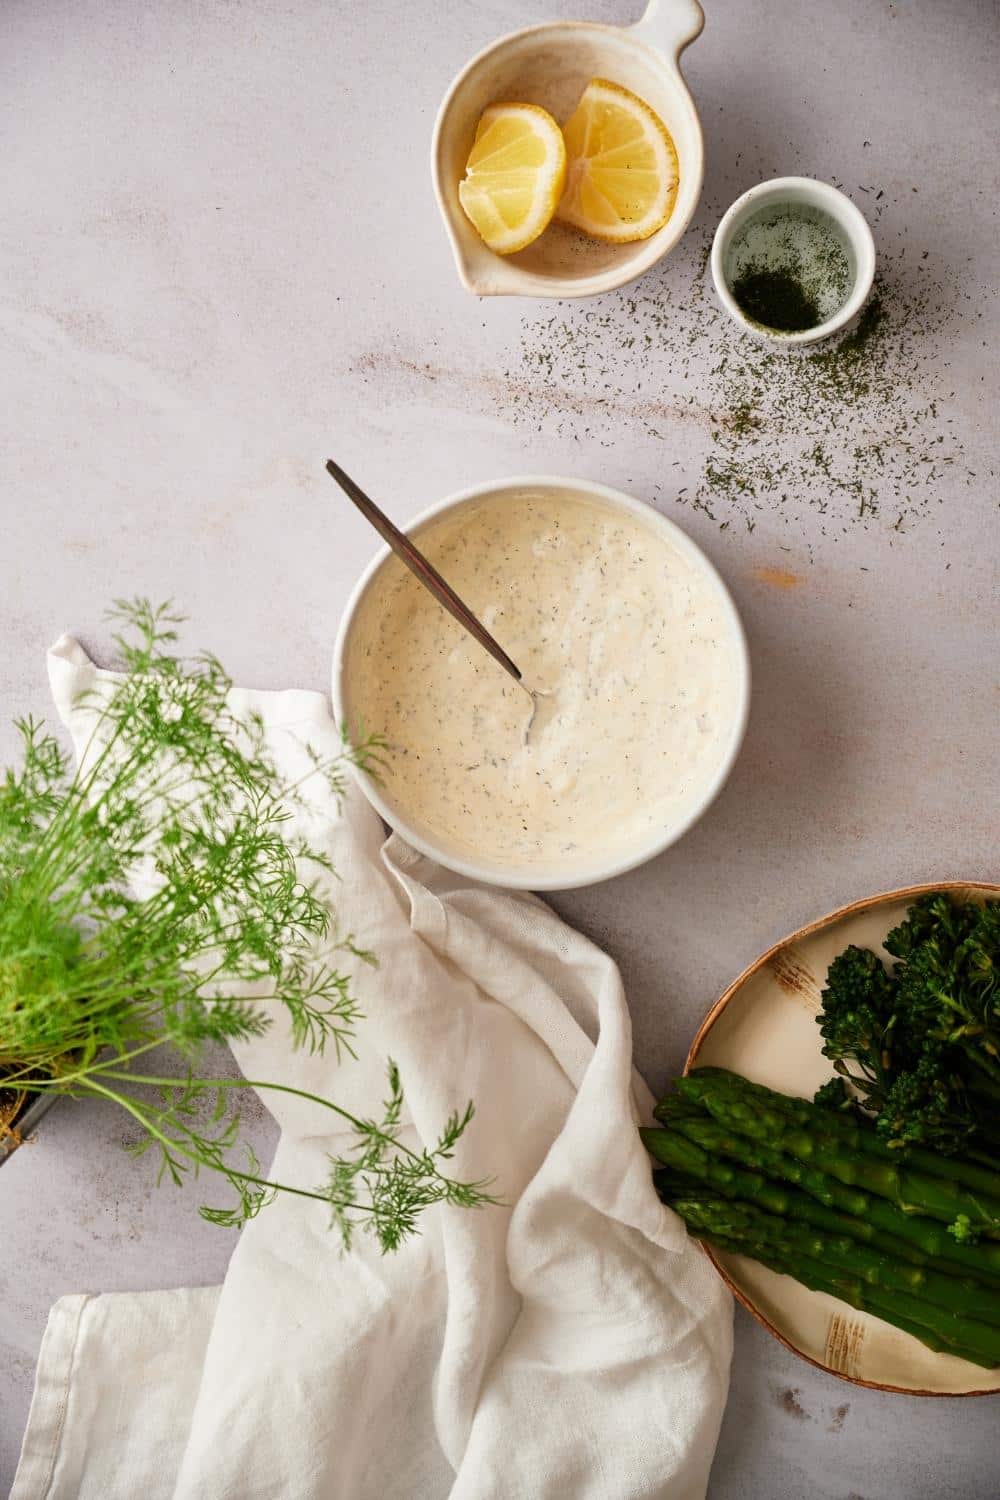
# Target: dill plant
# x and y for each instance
(155, 897)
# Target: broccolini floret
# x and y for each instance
(920, 1043)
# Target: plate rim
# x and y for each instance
(901, 893)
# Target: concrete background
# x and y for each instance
(221, 261)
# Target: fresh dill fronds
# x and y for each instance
(155, 896)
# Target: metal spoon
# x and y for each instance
(429, 576)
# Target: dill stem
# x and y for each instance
(361, 1127)
(112, 1069)
(142, 1116)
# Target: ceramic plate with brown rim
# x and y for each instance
(764, 1027)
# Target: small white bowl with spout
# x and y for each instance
(551, 65)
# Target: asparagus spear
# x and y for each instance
(865, 1298)
(860, 1136)
(876, 1263)
(687, 1158)
(911, 1190)
(928, 1235)
(845, 1269)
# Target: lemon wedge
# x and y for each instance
(514, 175)
(621, 178)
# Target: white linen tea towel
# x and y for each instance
(570, 1345)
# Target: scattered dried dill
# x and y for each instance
(856, 430)
(861, 432)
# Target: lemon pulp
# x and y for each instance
(514, 175)
(621, 174)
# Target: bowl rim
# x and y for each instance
(540, 879)
(864, 903)
(532, 284)
(840, 208)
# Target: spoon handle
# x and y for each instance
(421, 568)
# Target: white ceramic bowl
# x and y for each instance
(808, 193)
(551, 65)
(538, 877)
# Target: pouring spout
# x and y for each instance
(479, 270)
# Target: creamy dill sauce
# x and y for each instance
(628, 632)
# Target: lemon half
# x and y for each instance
(621, 177)
(514, 176)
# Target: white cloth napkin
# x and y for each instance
(571, 1344)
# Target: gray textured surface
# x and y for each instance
(221, 259)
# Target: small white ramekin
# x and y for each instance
(805, 192)
(538, 877)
